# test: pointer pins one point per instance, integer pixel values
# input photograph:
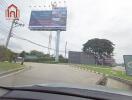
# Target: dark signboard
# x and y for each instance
(128, 64)
(50, 20)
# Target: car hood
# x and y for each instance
(91, 87)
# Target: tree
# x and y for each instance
(37, 53)
(22, 54)
(99, 47)
(6, 54)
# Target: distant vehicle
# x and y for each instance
(20, 60)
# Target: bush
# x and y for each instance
(6, 54)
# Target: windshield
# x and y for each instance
(82, 43)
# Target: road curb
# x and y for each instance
(104, 77)
(101, 81)
(121, 80)
(11, 71)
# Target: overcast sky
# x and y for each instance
(87, 19)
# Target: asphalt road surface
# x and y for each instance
(50, 73)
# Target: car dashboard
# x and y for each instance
(57, 93)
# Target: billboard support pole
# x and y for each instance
(57, 46)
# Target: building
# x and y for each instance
(81, 58)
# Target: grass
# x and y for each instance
(5, 66)
(108, 71)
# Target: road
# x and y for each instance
(50, 73)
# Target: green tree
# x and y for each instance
(6, 54)
(22, 54)
(99, 47)
(37, 53)
(2, 53)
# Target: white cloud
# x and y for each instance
(110, 19)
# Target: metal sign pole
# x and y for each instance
(57, 46)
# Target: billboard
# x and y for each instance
(128, 64)
(50, 20)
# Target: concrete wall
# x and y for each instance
(74, 57)
(81, 58)
(87, 58)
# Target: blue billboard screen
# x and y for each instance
(50, 20)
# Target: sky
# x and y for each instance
(86, 19)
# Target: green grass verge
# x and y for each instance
(5, 66)
(107, 71)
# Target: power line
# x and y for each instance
(24, 9)
(31, 42)
(14, 36)
(62, 42)
(16, 32)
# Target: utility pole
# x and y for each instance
(14, 24)
(10, 32)
(65, 49)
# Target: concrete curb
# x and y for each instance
(101, 81)
(11, 71)
(112, 77)
(121, 80)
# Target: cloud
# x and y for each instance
(87, 19)
(15, 47)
